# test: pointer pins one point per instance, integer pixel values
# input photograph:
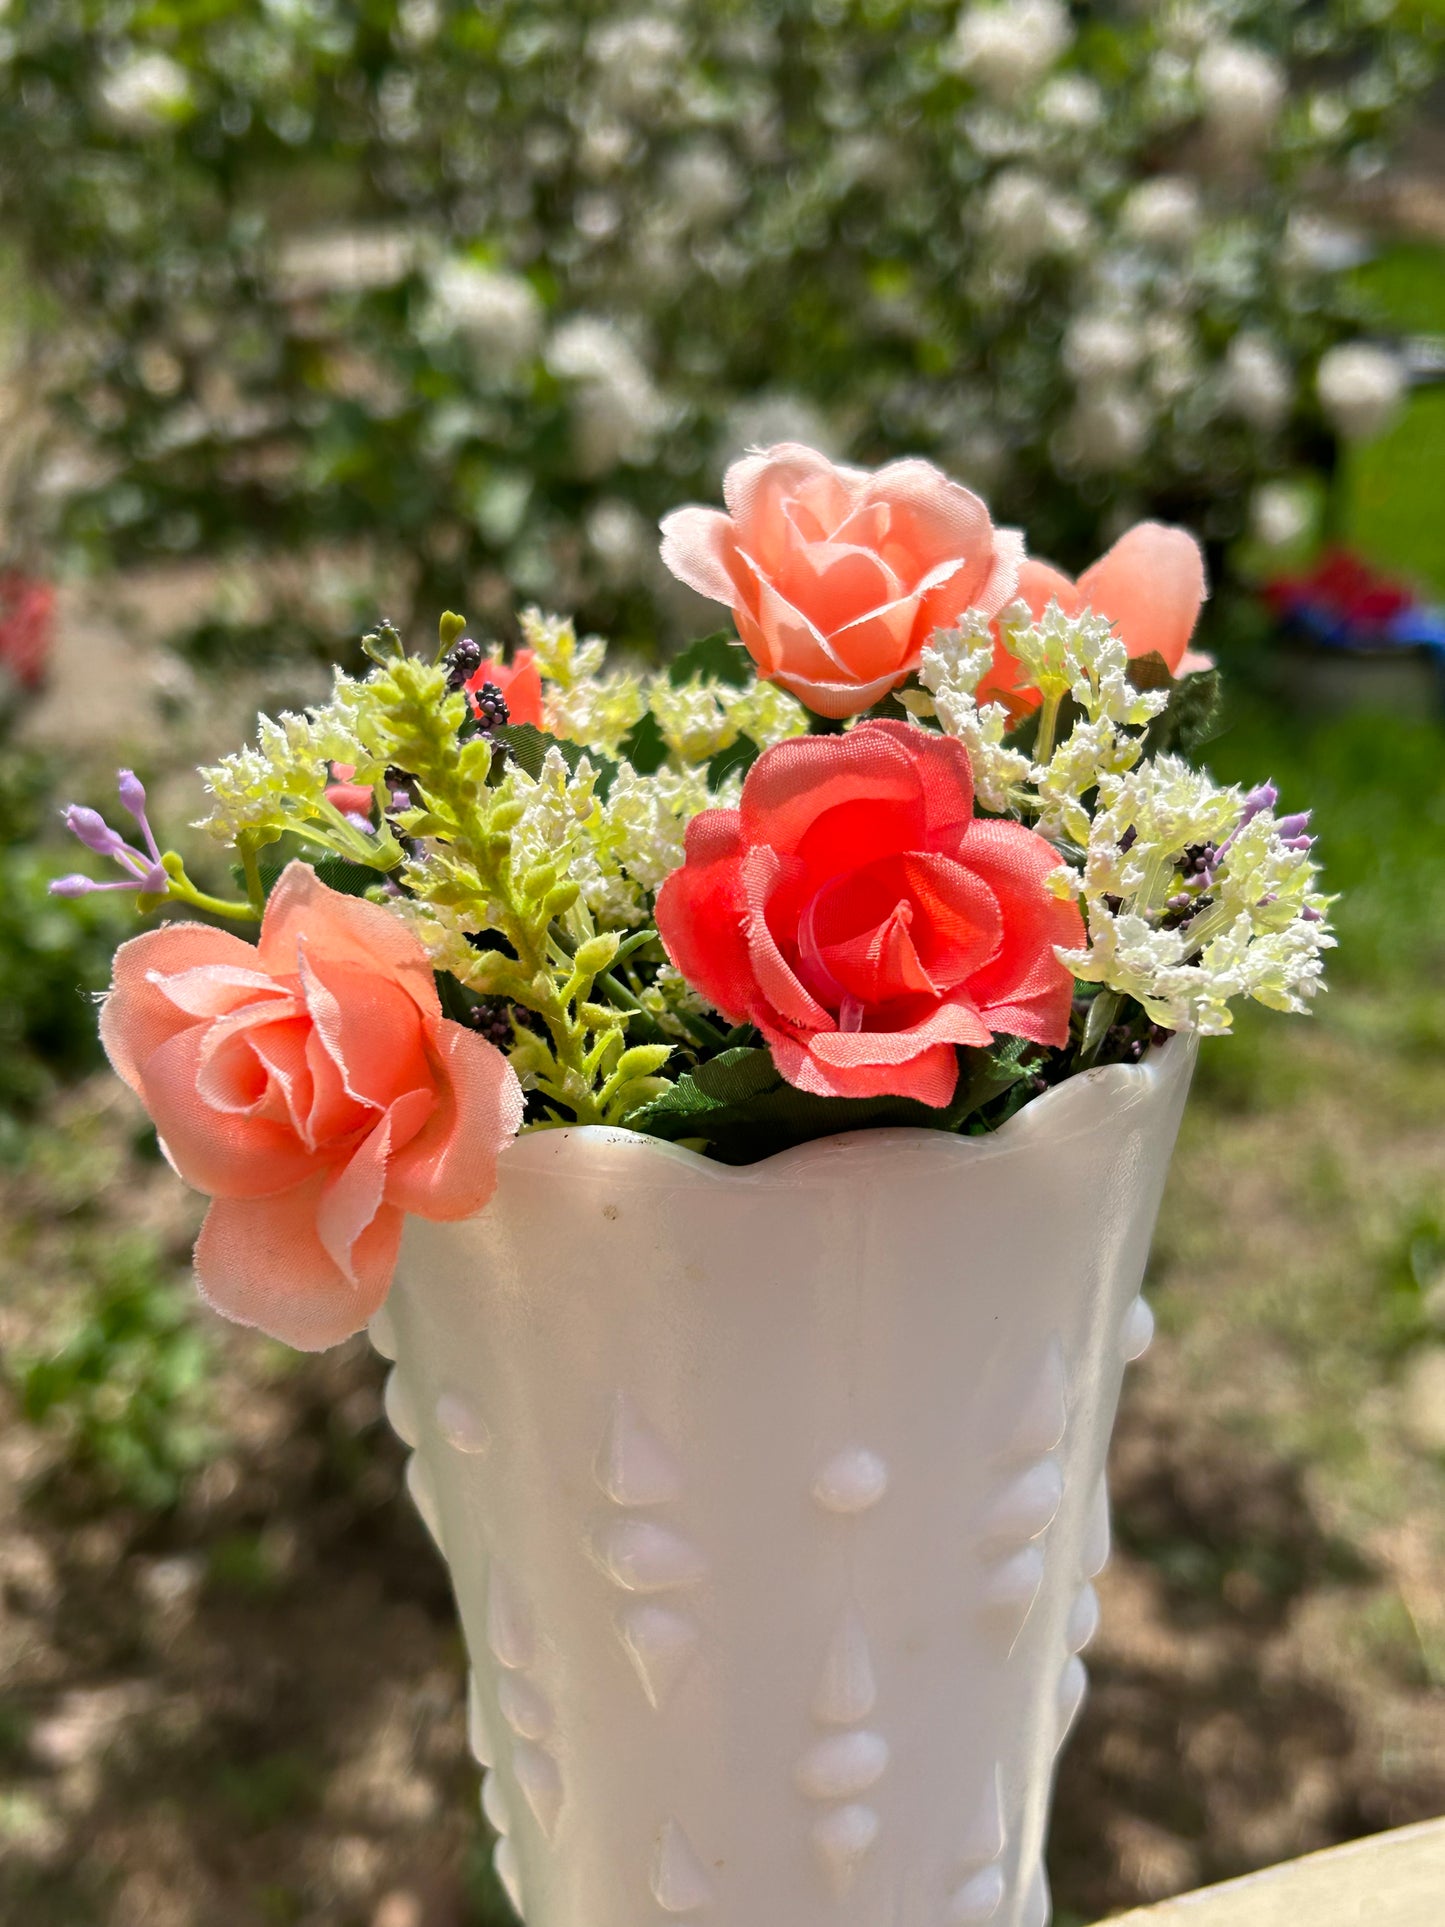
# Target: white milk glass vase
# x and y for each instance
(772, 1496)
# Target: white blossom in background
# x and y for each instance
(702, 184)
(1008, 46)
(1071, 102)
(621, 539)
(1241, 90)
(1360, 387)
(1280, 514)
(1102, 346)
(500, 312)
(1165, 212)
(1027, 217)
(1319, 245)
(344, 261)
(762, 421)
(606, 143)
(637, 59)
(1107, 430)
(1259, 383)
(618, 411)
(1173, 347)
(147, 92)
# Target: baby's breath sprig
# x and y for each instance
(1195, 895)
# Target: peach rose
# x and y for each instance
(313, 1088)
(837, 577)
(1150, 585)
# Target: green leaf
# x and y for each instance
(644, 747)
(1192, 717)
(528, 747)
(736, 760)
(720, 657)
(1150, 672)
(346, 879)
(740, 1104)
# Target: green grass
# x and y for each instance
(1393, 487)
(1405, 284)
(1393, 494)
(1378, 797)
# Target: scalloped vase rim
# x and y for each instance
(1083, 1093)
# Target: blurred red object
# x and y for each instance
(27, 626)
(1344, 588)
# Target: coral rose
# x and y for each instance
(856, 911)
(520, 684)
(837, 577)
(1150, 585)
(312, 1086)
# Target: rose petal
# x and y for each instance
(232, 1077)
(138, 1016)
(777, 984)
(942, 771)
(700, 913)
(223, 1152)
(370, 1026)
(757, 487)
(261, 1262)
(352, 1195)
(449, 1169)
(796, 783)
(1151, 586)
(696, 546)
(836, 699)
(345, 930)
(887, 640)
(931, 519)
(1024, 991)
(1040, 583)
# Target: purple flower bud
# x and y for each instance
(132, 793)
(75, 886)
(1289, 826)
(93, 830)
(1311, 915)
(1299, 843)
(1263, 798)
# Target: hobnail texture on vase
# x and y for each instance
(772, 1498)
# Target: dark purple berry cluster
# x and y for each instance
(461, 662)
(489, 706)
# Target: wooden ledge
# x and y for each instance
(1386, 1880)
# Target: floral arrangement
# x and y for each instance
(919, 843)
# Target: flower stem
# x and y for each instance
(1102, 1012)
(182, 890)
(1048, 722)
(255, 889)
